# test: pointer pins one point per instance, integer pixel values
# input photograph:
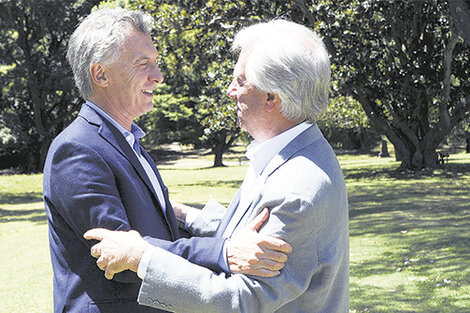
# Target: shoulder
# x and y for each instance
(78, 130)
(77, 140)
(311, 169)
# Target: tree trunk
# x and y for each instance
(460, 11)
(44, 147)
(467, 140)
(221, 145)
(423, 155)
(219, 148)
(218, 158)
(384, 150)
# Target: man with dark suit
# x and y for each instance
(97, 175)
(281, 86)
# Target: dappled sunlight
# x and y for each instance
(409, 231)
(410, 238)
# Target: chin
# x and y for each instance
(148, 107)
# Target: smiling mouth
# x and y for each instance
(147, 91)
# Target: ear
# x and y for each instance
(99, 75)
(272, 102)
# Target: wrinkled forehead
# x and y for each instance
(239, 69)
(138, 45)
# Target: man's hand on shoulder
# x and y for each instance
(251, 253)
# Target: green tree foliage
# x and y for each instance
(171, 120)
(194, 40)
(38, 96)
(406, 65)
(403, 61)
(193, 46)
(346, 125)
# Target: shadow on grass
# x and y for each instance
(411, 226)
(216, 183)
(20, 215)
(445, 171)
(36, 215)
(20, 197)
(369, 298)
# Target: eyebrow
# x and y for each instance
(143, 58)
(241, 77)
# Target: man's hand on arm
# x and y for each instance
(117, 251)
(248, 252)
(251, 253)
(182, 210)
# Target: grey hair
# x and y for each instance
(290, 60)
(99, 39)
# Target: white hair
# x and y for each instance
(290, 60)
(99, 39)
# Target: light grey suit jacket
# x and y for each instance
(303, 186)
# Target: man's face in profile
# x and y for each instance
(134, 76)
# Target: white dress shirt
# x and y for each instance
(259, 155)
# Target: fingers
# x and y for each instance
(276, 244)
(265, 273)
(95, 233)
(270, 265)
(261, 272)
(108, 266)
(109, 273)
(259, 220)
(102, 263)
(273, 255)
(95, 251)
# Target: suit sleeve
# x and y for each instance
(201, 249)
(173, 284)
(86, 194)
(206, 223)
(83, 191)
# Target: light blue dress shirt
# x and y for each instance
(132, 139)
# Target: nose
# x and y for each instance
(156, 74)
(231, 90)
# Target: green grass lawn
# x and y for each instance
(410, 232)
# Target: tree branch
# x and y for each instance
(447, 64)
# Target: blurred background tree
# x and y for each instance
(400, 69)
(404, 62)
(38, 99)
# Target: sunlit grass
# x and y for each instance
(409, 231)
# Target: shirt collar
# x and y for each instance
(260, 154)
(131, 137)
(136, 132)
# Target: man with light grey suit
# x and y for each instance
(281, 85)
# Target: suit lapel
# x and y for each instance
(168, 213)
(242, 208)
(232, 207)
(304, 139)
(114, 137)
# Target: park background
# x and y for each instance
(400, 90)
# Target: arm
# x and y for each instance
(187, 288)
(248, 252)
(85, 192)
(202, 222)
(172, 281)
(81, 189)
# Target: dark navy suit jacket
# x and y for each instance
(92, 178)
